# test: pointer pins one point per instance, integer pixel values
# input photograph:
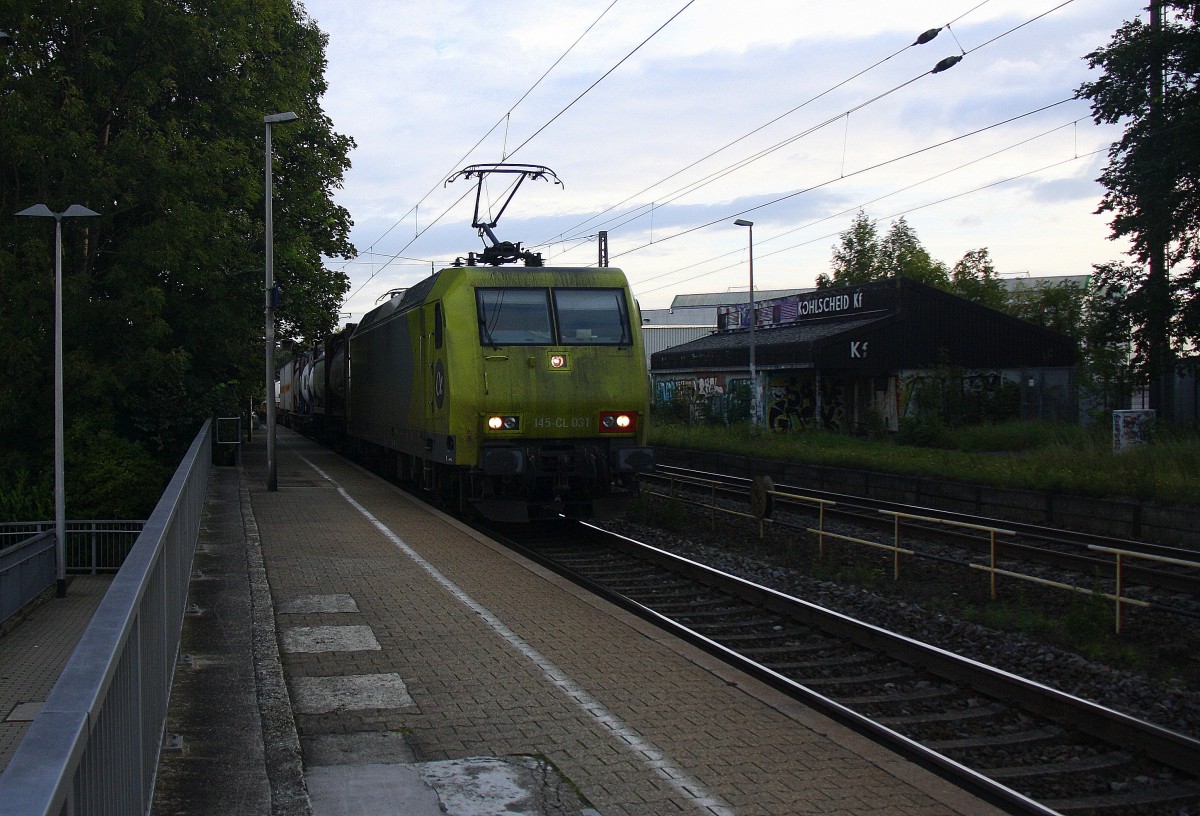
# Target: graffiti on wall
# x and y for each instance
(791, 403)
(957, 395)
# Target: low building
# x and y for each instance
(860, 358)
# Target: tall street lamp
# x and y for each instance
(60, 501)
(272, 482)
(754, 401)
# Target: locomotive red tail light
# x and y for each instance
(618, 421)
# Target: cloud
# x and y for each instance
(425, 88)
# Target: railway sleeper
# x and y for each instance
(908, 696)
(1125, 802)
(1035, 736)
(676, 603)
(1102, 762)
(954, 715)
(787, 649)
(856, 680)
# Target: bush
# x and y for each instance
(924, 430)
(23, 499)
(108, 477)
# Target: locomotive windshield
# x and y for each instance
(514, 317)
(591, 316)
(535, 317)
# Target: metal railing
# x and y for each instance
(26, 570)
(94, 747)
(1118, 595)
(93, 545)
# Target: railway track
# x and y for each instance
(1088, 556)
(1018, 743)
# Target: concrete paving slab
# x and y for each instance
(312, 639)
(321, 695)
(314, 604)
(25, 712)
(382, 790)
(360, 748)
(474, 786)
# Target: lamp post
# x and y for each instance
(272, 119)
(754, 401)
(60, 501)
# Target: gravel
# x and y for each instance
(901, 607)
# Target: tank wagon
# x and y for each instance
(312, 388)
(518, 392)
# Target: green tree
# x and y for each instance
(1151, 82)
(974, 278)
(855, 259)
(1112, 367)
(1058, 306)
(151, 113)
(901, 253)
(863, 256)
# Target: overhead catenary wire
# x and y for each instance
(896, 214)
(716, 175)
(502, 120)
(863, 204)
(580, 239)
(744, 136)
(603, 77)
(858, 172)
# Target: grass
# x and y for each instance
(1056, 457)
(1085, 626)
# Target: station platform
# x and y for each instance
(350, 650)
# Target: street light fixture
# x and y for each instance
(272, 482)
(60, 501)
(754, 401)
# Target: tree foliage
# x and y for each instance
(974, 278)
(862, 256)
(1151, 83)
(150, 112)
(901, 253)
(1108, 334)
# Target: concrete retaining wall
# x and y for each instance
(1121, 518)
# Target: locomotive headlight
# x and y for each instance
(558, 361)
(617, 421)
(504, 423)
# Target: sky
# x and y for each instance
(667, 120)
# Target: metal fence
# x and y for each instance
(93, 546)
(26, 570)
(94, 747)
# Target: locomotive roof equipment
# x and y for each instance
(501, 252)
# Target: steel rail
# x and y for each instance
(1166, 746)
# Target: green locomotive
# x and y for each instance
(519, 392)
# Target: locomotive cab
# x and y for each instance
(563, 397)
(521, 393)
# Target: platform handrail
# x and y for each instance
(26, 571)
(95, 745)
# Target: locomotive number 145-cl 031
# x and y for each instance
(520, 393)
